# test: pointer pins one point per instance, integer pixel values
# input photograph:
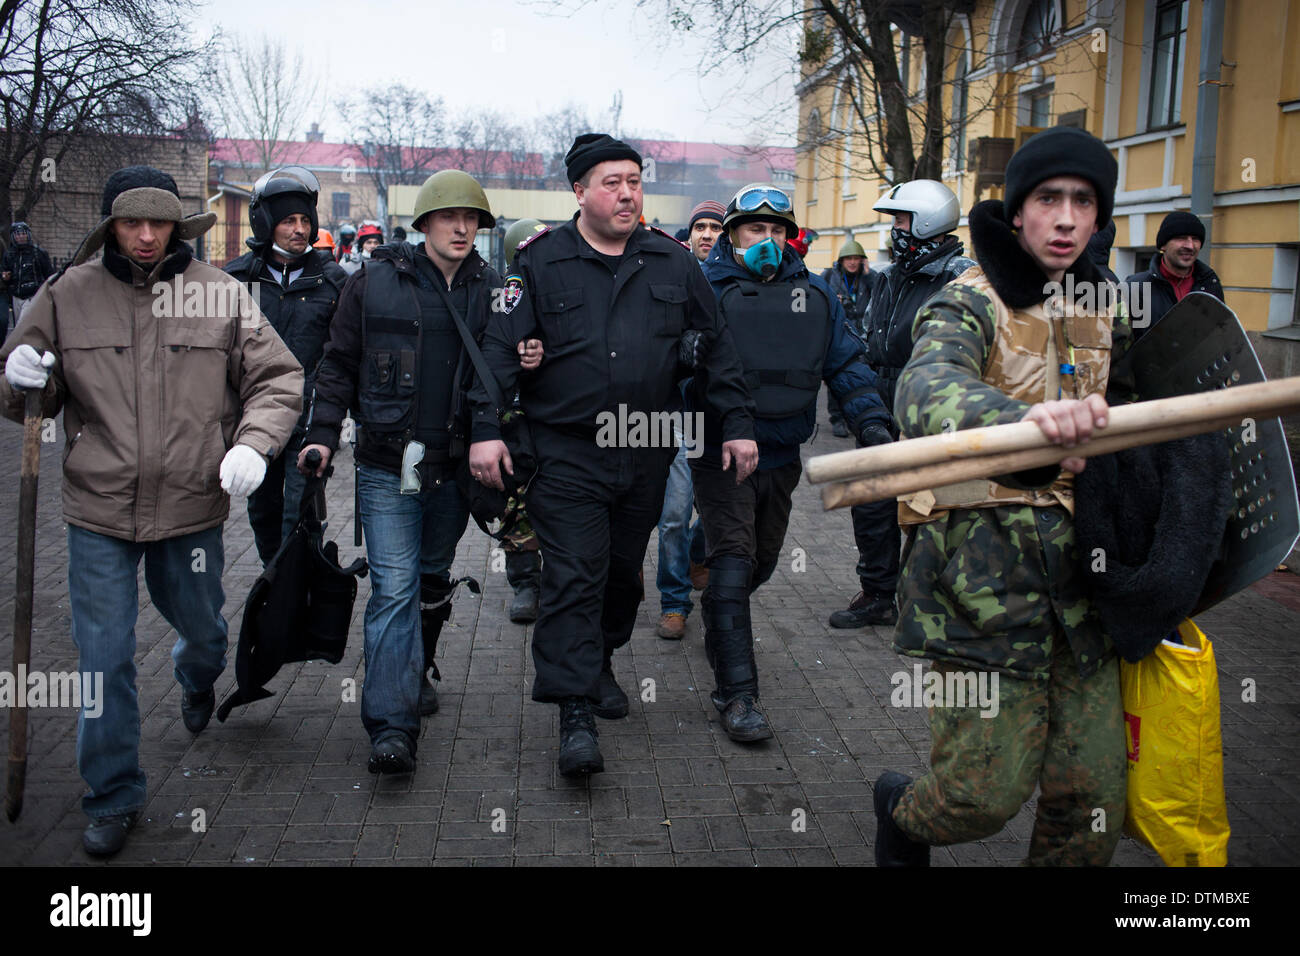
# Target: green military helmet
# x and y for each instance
(851, 248)
(452, 189)
(521, 230)
(761, 202)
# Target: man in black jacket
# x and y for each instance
(1175, 271)
(26, 266)
(297, 292)
(927, 256)
(396, 358)
(610, 299)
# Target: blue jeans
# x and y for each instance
(406, 536)
(183, 575)
(678, 544)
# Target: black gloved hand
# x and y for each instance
(693, 348)
(874, 434)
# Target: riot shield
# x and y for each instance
(1197, 346)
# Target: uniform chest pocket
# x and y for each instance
(1090, 337)
(668, 314)
(195, 363)
(561, 316)
(386, 387)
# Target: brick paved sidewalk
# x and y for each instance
(284, 780)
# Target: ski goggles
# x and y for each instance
(753, 199)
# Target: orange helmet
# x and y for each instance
(324, 240)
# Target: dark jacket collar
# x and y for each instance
(1014, 274)
(176, 258)
(404, 255)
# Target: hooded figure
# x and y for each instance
(26, 266)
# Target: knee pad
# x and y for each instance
(728, 634)
(435, 610)
(762, 573)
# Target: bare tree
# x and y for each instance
(864, 48)
(89, 80)
(489, 147)
(261, 96)
(397, 130)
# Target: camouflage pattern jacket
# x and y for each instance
(993, 585)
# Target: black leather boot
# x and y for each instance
(434, 613)
(893, 846)
(729, 646)
(524, 572)
(613, 701)
(579, 753)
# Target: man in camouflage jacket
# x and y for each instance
(991, 590)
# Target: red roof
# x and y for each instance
(738, 162)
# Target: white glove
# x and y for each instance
(26, 369)
(242, 470)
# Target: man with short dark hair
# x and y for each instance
(610, 299)
(1175, 271)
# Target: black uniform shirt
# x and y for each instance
(610, 338)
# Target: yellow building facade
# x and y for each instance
(1128, 71)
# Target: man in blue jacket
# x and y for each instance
(790, 332)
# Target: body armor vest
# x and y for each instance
(1033, 352)
(782, 331)
(399, 342)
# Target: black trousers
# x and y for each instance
(875, 532)
(593, 510)
(746, 520)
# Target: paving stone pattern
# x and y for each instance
(284, 780)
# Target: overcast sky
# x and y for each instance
(525, 60)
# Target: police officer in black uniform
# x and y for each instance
(790, 331)
(610, 300)
(298, 292)
(396, 358)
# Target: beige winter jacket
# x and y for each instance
(152, 397)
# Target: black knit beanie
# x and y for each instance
(283, 205)
(1061, 151)
(592, 148)
(1179, 224)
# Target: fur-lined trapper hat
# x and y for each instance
(142, 192)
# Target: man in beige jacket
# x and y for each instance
(176, 393)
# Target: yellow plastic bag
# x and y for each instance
(1176, 801)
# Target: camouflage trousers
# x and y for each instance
(1065, 734)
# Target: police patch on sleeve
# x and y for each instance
(512, 292)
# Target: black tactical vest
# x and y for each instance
(782, 331)
(396, 348)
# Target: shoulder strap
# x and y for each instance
(476, 355)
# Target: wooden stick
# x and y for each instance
(1261, 400)
(881, 487)
(31, 469)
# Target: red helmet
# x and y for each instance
(367, 230)
(802, 241)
